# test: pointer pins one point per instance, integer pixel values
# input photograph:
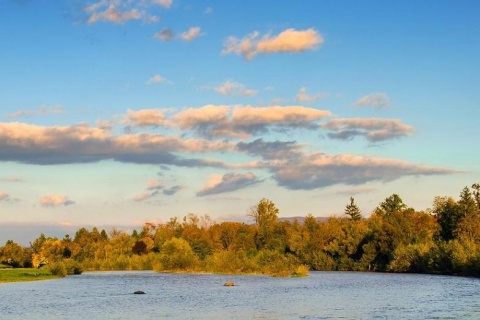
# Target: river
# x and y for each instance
(322, 295)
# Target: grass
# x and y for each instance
(25, 274)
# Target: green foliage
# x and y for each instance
(14, 255)
(391, 205)
(353, 211)
(466, 203)
(176, 254)
(58, 269)
(230, 262)
(394, 238)
(73, 267)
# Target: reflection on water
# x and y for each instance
(322, 295)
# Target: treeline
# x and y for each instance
(394, 238)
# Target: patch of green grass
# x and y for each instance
(25, 274)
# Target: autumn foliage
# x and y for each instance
(394, 238)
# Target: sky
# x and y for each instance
(118, 112)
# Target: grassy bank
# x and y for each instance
(25, 274)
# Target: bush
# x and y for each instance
(176, 254)
(73, 267)
(301, 271)
(230, 262)
(276, 264)
(58, 269)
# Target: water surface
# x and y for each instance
(322, 295)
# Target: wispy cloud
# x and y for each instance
(373, 129)
(164, 35)
(4, 196)
(227, 182)
(303, 96)
(191, 34)
(158, 79)
(173, 190)
(112, 14)
(40, 111)
(377, 100)
(144, 196)
(289, 40)
(11, 179)
(232, 88)
(55, 200)
(121, 11)
(156, 187)
(354, 191)
(164, 3)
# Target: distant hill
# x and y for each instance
(301, 219)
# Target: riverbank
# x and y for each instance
(25, 274)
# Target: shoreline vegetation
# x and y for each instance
(25, 274)
(394, 238)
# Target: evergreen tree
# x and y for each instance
(391, 204)
(476, 193)
(466, 203)
(353, 211)
(448, 214)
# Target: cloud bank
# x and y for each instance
(240, 132)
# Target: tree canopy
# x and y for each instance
(394, 238)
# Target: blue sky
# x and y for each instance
(117, 112)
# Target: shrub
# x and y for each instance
(73, 267)
(301, 271)
(58, 269)
(176, 254)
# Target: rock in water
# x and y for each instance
(229, 284)
(139, 292)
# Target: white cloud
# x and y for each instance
(55, 200)
(146, 118)
(164, 3)
(232, 88)
(121, 11)
(143, 196)
(40, 111)
(158, 79)
(303, 96)
(4, 196)
(112, 14)
(192, 33)
(289, 40)
(376, 100)
(244, 121)
(227, 182)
